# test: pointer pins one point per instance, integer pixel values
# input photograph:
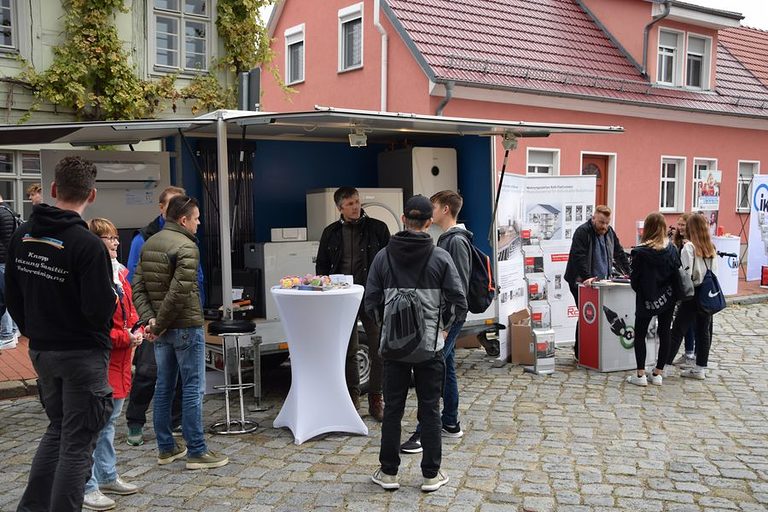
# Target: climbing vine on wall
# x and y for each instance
(91, 72)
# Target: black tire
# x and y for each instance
(363, 363)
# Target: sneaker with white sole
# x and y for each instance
(685, 361)
(207, 460)
(638, 381)
(9, 343)
(693, 373)
(135, 436)
(412, 445)
(656, 380)
(388, 482)
(434, 483)
(97, 501)
(178, 452)
(119, 486)
(452, 430)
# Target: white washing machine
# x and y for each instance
(384, 204)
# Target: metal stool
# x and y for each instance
(232, 331)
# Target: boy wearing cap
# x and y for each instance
(442, 301)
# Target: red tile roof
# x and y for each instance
(750, 46)
(554, 47)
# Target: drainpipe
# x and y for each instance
(647, 32)
(448, 95)
(384, 53)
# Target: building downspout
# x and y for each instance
(647, 32)
(384, 53)
(448, 95)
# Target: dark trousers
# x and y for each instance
(689, 313)
(641, 331)
(372, 334)
(429, 377)
(143, 389)
(78, 402)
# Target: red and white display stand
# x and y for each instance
(606, 328)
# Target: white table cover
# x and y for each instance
(318, 325)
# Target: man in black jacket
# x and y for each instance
(59, 291)
(595, 250)
(348, 246)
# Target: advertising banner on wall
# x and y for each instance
(538, 214)
(758, 227)
(709, 191)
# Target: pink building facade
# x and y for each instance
(694, 104)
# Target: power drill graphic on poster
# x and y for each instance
(619, 327)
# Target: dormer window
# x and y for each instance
(669, 45)
(697, 62)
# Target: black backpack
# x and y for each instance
(709, 294)
(403, 326)
(482, 287)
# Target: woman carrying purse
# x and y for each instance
(698, 255)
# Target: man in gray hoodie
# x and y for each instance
(411, 264)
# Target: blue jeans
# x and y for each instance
(104, 458)
(450, 414)
(180, 351)
(7, 326)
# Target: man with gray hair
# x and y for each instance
(59, 290)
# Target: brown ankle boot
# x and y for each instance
(376, 406)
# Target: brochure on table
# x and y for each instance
(758, 227)
(536, 217)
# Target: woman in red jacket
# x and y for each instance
(104, 477)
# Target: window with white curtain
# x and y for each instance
(543, 162)
(672, 189)
(697, 62)
(294, 54)
(669, 43)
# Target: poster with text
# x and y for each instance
(757, 254)
(563, 311)
(709, 190)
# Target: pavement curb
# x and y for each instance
(747, 299)
(18, 388)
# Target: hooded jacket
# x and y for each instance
(59, 282)
(439, 287)
(653, 272)
(165, 285)
(457, 241)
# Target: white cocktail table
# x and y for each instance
(318, 325)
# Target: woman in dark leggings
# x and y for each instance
(654, 263)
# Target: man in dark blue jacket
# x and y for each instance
(59, 290)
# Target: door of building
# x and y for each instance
(597, 165)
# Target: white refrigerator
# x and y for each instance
(280, 259)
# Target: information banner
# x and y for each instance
(709, 191)
(758, 227)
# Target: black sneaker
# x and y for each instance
(412, 445)
(452, 430)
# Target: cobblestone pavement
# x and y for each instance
(572, 441)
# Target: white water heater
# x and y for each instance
(384, 204)
(419, 170)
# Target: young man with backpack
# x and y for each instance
(416, 291)
(455, 239)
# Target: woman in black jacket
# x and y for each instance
(654, 263)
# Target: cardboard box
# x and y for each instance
(521, 338)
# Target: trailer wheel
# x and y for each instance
(364, 364)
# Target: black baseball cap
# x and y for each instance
(418, 208)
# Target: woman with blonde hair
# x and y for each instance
(698, 256)
(687, 359)
(654, 263)
(125, 337)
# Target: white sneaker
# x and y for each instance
(9, 343)
(656, 379)
(97, 501)
(433, 484)
(388, 482)
(119, 486)
(637, 381)
(693, 373)
(685, 361)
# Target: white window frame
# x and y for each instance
(740, 183)
(677, 61)
(706, 61)
(696, 179)
(679, 181)
(295, 35)
(554, 169)
(20, 180)
(181, 18)
(346, 15)
(14, 15)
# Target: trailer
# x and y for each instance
(279, 157)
